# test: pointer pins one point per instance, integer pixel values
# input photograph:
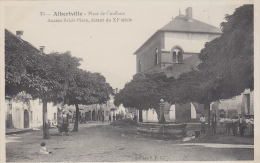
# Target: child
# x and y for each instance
(44, 150)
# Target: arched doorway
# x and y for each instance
(26, 119)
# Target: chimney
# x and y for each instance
(42, 49)
(19, 34)
(116, 90)
(189, 14)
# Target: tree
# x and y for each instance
(52, 78)
(42, 76)
(18, 56)
(229, 60)
(87, 88)
(144, 91)
(54, 81)
(227, 66)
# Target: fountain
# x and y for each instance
(164, 129)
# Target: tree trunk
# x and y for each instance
(162, 118)
(140, 115)
(207, 107)
(45, 126)
(76, 124)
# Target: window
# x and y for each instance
(31, 115)
(179, 57)
(139, 66)
(156, 57)
(174, 57)
(177, 54)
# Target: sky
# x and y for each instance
(105, 47)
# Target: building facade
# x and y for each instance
(94, 112)
(174, 49)
(28, 115)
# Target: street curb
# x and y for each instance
(19, 132)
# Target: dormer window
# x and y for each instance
(156, 57)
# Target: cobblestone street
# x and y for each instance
(98, 141)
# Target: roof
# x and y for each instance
(177, 69)
(181, 24)
(11, 38)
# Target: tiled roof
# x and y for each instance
(181, 24)
(11, 38)
(176, 69)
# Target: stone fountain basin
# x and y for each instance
(164, 131)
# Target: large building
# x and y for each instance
(174, 49)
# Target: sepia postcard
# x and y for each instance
(129, 81)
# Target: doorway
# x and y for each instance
(26, 119)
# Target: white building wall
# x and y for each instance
(36, 120)
(193, 112)
(17, 115)
(51, 110)
(172, 113)
(190, 42)
(35, 113)
(150, 115)
(238, 103)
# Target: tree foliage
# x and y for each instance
(55, 77)
(144, 91)
(228, 61)
(87, 88)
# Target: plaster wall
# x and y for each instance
(147, 53)
(190, 42)
(238, 103)
(150, 115)
(35, 113)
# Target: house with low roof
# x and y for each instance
(19, 114)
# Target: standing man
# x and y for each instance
(114, 118)
(222, 125)
(109, 118)
(202, 121)
(103, 117)
(228, 125)
(214, 123)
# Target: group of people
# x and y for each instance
(237, 125)
(115, 117)
(63, 122)
(229, 126)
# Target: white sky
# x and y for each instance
(106, 48)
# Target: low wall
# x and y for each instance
(163, 131)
